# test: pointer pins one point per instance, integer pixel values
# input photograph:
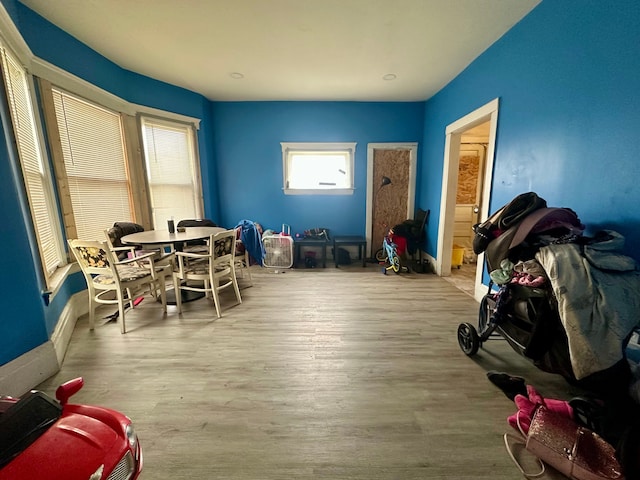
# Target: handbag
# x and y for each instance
(573, 450)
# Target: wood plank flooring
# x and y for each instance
(319, 374)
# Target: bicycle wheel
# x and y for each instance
(381, 255)
(396, 264)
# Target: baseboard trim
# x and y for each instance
(28, 370)
(61, 336)
(35, 366)
(431, 260)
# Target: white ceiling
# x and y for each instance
(291, 49)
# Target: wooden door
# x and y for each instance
(389, 201)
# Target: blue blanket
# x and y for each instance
(251, 239)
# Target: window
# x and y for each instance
(95, 166)
(35, 171)
(318, 168)
(172, 170)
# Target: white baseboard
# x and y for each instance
(35, 366)
(28, 370)
(430, 259)
(75, 308)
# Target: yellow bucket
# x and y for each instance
(457, 256)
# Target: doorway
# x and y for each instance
(473, 134)
(392, 200)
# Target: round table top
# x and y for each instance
(161, 237)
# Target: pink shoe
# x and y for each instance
(521, 420)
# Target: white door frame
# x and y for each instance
(413, 168)
(453, 132)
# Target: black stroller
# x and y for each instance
(526, 317)
(526, 314)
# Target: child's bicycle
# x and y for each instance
(390, 254)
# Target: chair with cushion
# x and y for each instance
(196, 246)
(120, 229)
(114, 236)
(162, 262)
(105, 275)
(242, 258)
(209, 272)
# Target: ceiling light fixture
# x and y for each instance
(389, 76)
(236, 75)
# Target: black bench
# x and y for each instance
(346, 240)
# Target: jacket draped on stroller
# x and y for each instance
(567, 302)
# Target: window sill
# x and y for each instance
(58, 278)
(324, 191)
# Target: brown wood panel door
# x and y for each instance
(389, 201)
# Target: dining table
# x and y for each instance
(177, 239)
(164, 237)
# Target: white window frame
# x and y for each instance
(46, 225)
(291, 150)
(101, 163)
(189, 132)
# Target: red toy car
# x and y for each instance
(54, 440)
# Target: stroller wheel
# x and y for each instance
(468, 339)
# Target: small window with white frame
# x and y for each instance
(318, 168)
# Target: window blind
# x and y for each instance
(172, 173)
(34, 173)
(95, 161)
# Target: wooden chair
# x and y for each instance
(106, 275)
(114, 236)
(242, 259)
(214, 270)
(196, 246)
(163, 262)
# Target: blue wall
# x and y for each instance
(568, 77)
(249, 158)
(21, 322)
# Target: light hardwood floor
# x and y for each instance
(319, 374)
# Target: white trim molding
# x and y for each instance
(35, 366)
(453, 134)
(318, 148)
(28, 370)
(77, 306)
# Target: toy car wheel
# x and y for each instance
(381, 255)
(468, 339)
(396, 264)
